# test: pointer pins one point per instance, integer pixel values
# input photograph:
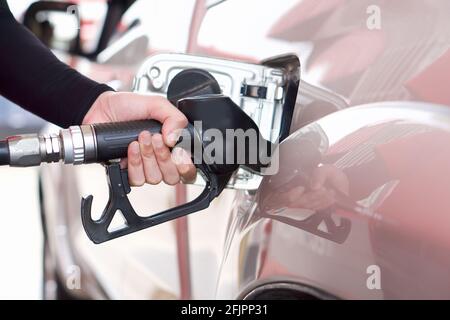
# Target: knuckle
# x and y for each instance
(160, 100)
(164, 154)
(134, 155)
(153, 175)
(134, 161)
(147, 151)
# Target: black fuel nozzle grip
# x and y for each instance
(112, 139)
(97, 230)
(212, 111)
(218, 114)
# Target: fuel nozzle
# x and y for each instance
(31, 150)
(74, 145)
(218, 116)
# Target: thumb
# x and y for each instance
(173, 120)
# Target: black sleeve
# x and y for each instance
(32, 77)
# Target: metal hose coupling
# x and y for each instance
(75, 145)
(79, 144)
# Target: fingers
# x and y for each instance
(163, 157)
(183, 162)
(136, 175)
(151, 169)
(150, 161)
(125, 106)
(315, 200)
(330, 175)
(172, 119)
(294, 194)
(319, 176)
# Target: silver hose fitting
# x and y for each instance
(75, 145)
(25, 150)
(72, 140)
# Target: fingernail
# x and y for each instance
(146, 138)
(134, 148)
(173, 137)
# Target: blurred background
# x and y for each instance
(21, 237)
(21, 240)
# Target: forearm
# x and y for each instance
(32, 77)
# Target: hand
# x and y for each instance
(325, 181)
(318, 194)
(149, 158)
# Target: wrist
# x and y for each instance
(97, 111)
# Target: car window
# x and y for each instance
(165, 22)
(237, 28)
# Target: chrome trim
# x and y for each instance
(90, 144)
(78, 145)
(73, 145)
(295, 287)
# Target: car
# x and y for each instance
(370, 122)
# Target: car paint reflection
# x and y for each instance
(383, 202)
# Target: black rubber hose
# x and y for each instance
(4, 153)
